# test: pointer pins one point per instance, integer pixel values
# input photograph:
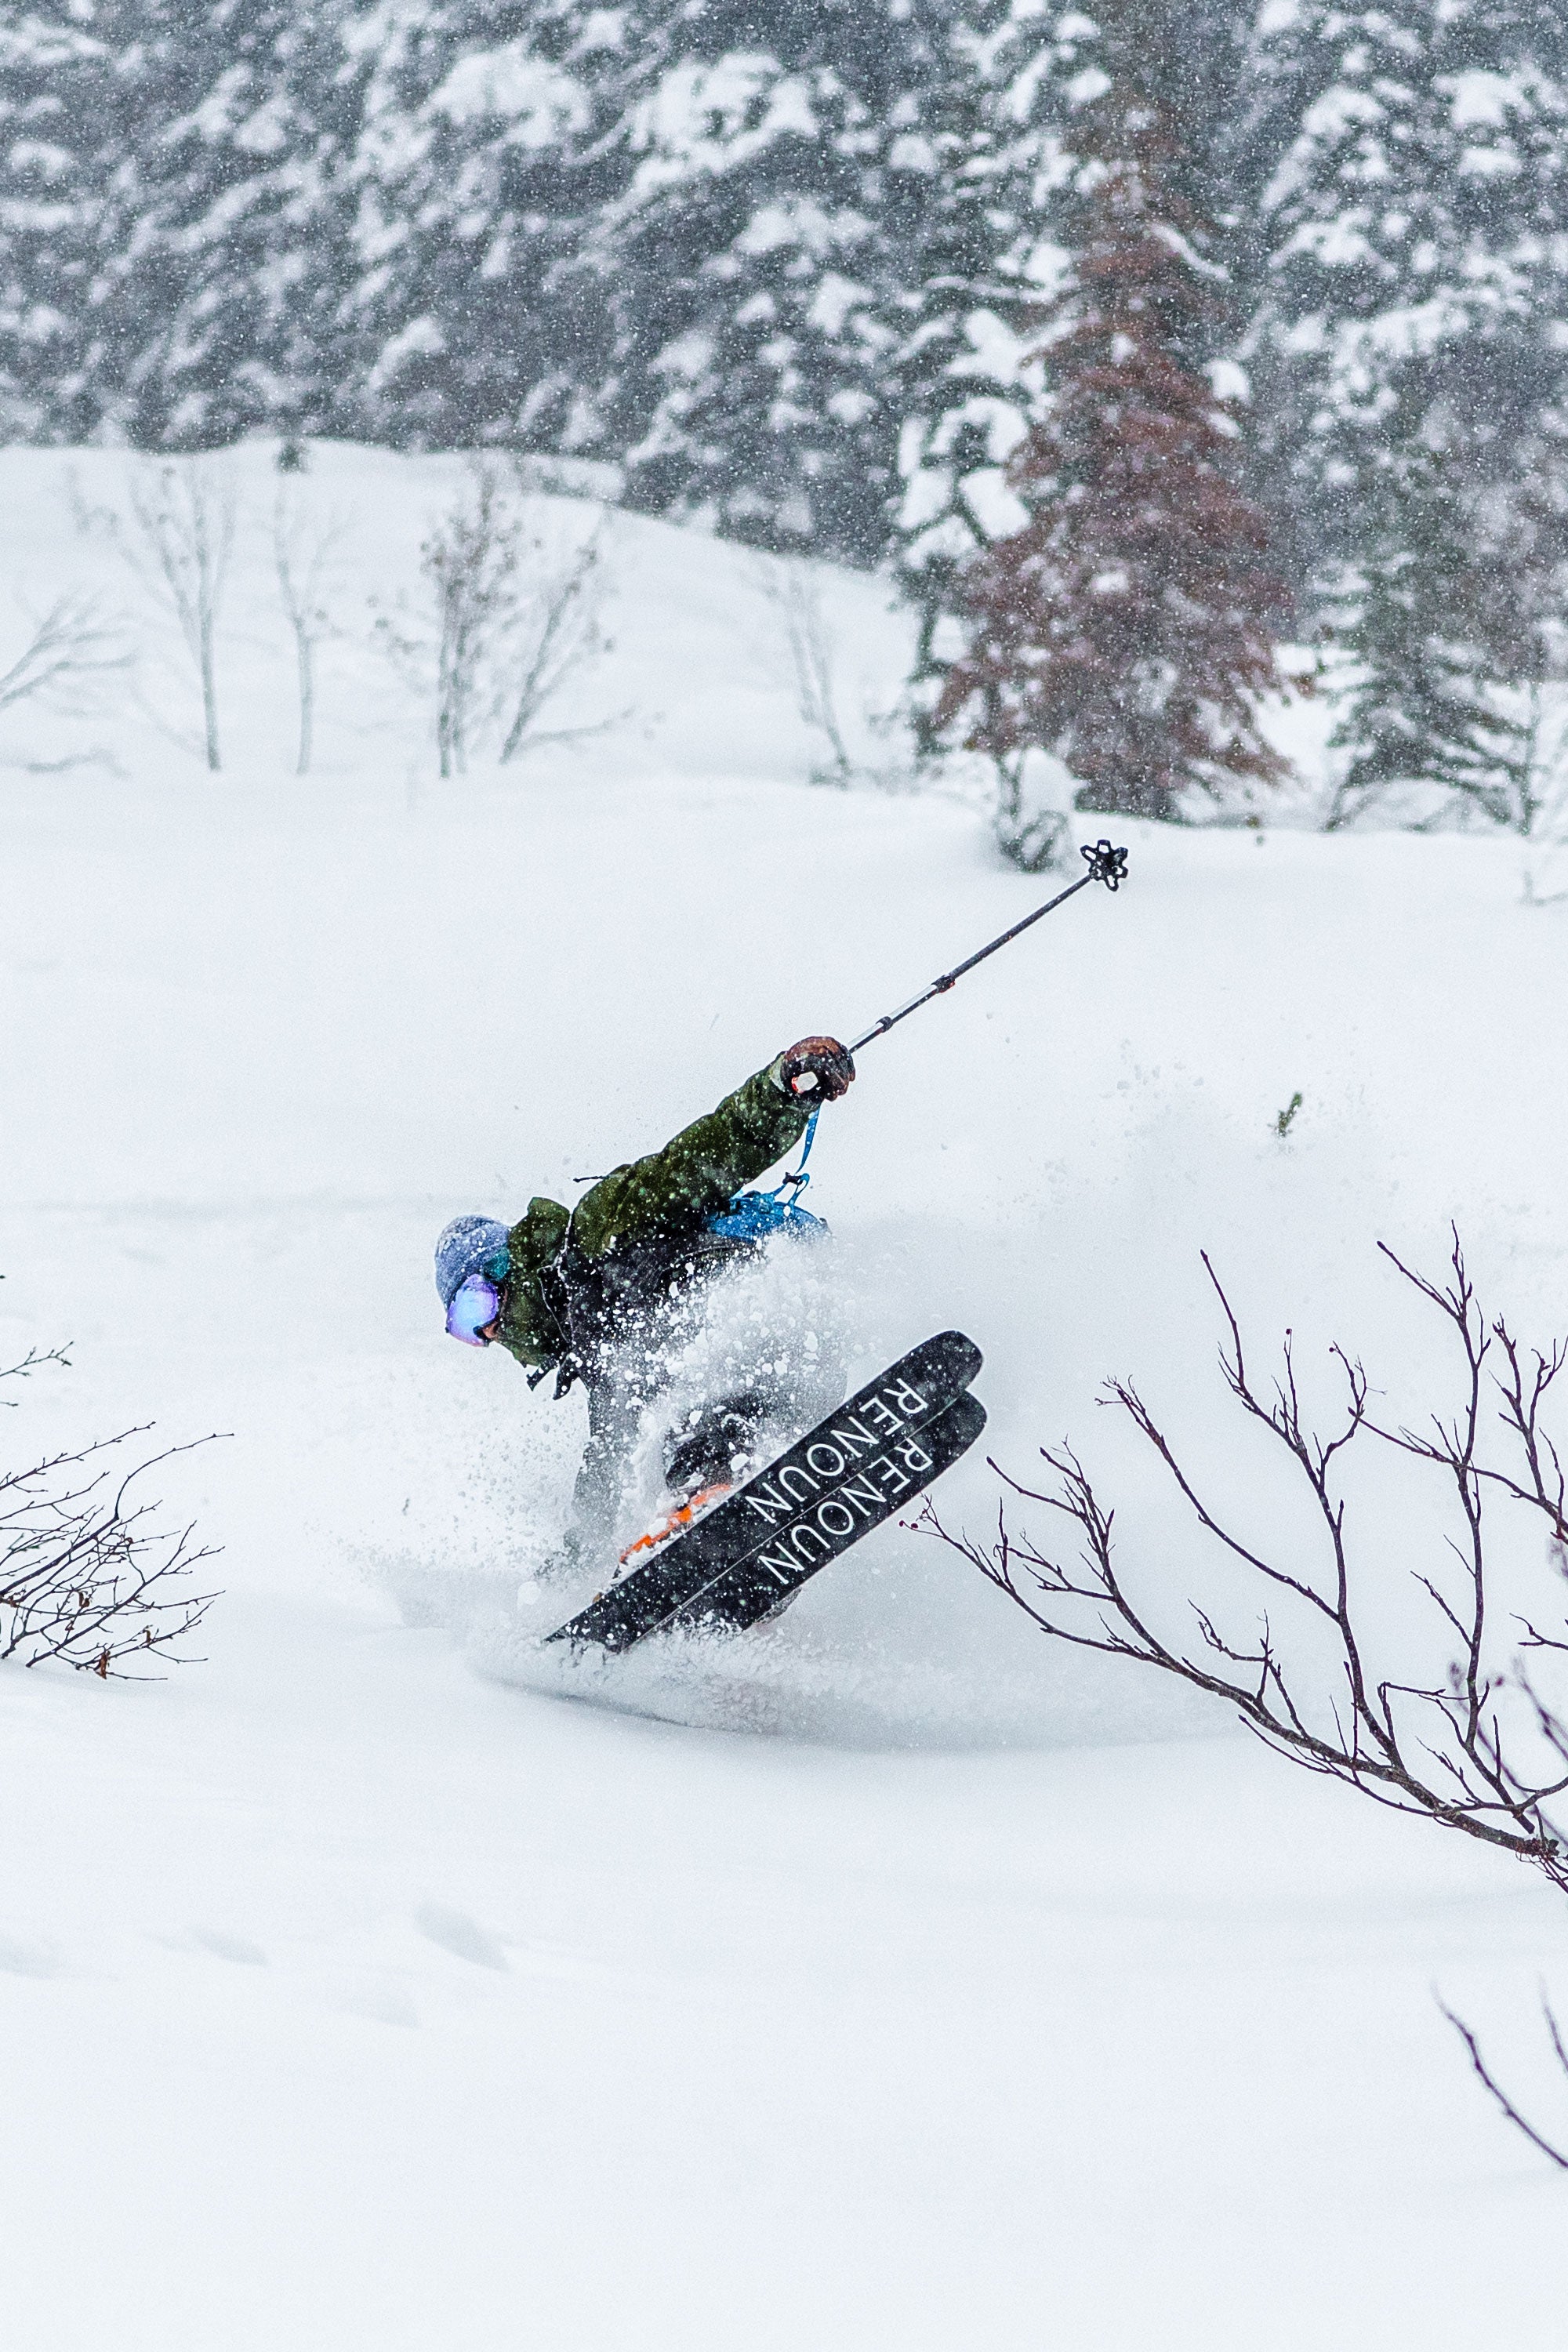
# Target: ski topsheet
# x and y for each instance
(843, 1478)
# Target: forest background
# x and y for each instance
(1138, 342)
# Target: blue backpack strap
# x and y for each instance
(752, 1216)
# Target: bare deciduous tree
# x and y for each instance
(509, 625)
(1484, 1749)
(86, 1578)
(791, 586)
(185, 512)
(303, 549)
(469, 560)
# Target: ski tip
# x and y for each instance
(959, 1356)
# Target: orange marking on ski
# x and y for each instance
(673, 1521)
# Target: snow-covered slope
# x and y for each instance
(888, 1978)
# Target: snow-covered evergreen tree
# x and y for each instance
(1128, 627)
(484, 160)
(244, 221)
(56, 149)
(1411, 357)
(196, 243)
(1018, 109)
(1417, 223)
(783, 266)
(968, 179)
(741, 262)
(1446, 629)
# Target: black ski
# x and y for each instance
(843, 1478)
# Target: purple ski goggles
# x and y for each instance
(474, 1304)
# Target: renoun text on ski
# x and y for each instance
(600, 1292)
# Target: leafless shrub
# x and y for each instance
(557, 630)
(504, 629)
(793, 590)
(303, 545)
(1484, 1749)
(792, 587)
(86, 1577)
(72, 643)
(1440, 1750)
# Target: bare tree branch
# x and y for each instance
(1484, 1753)
(557, 631)
(1485, 2075)
(72, 643)
(86, 1578)
(186, 513)
(1433, 1749)
(24, 1366)
(794, 590)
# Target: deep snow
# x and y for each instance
(888, 1977)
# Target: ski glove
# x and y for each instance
(817, 1069)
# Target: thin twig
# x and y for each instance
(1485, 2075)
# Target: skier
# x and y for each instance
(597, 1293)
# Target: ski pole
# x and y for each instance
(1105, 865)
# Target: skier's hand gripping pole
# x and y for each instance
(1105, 865)
(817, 1067)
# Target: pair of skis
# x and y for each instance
(752, 1553)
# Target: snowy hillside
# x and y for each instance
(886, 1977)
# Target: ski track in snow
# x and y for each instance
(890, 1976)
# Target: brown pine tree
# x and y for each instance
(1132, 623)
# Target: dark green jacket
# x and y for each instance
(630, 1236)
